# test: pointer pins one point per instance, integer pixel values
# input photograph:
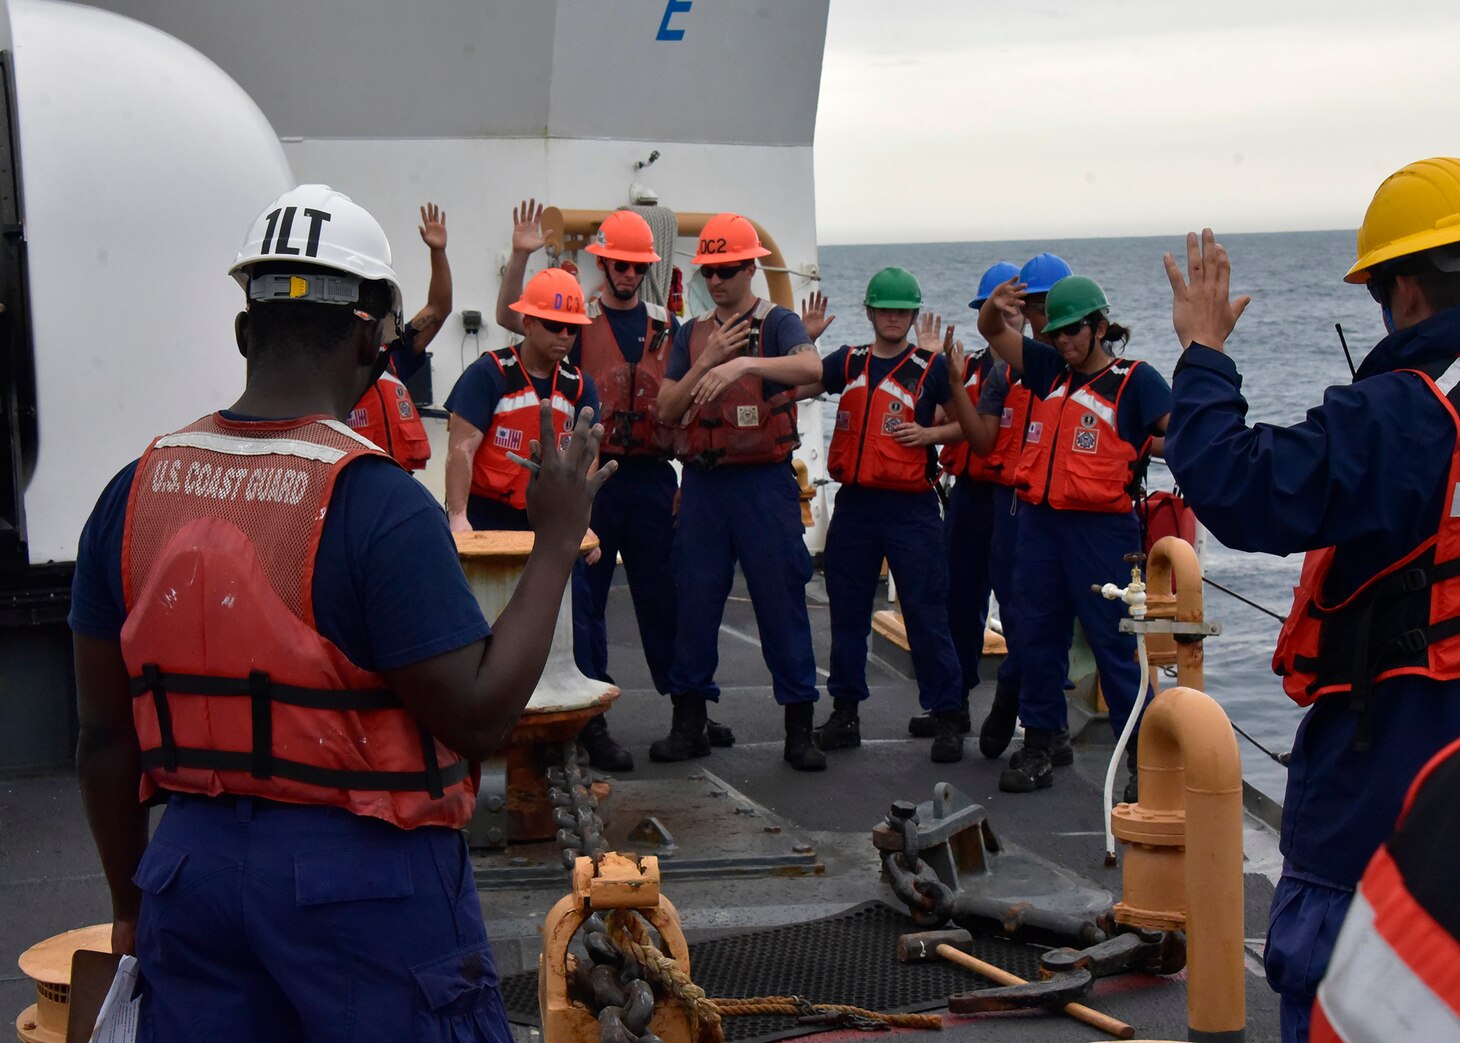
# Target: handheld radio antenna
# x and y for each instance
(1353, 373)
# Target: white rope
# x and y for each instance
(665, 226)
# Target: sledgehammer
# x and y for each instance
(927, 945)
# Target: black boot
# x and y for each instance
(1030, 768)
(603, 753)
(719, 734)
(801, 753)
(948, 739)
(1132, 788)
(1061, 753)
(998, 727)
(842, 730)
(924, 727)
(686, 737)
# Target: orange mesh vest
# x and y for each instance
(1074, 458)
(515, 423)
(386, 415)
(1405, 620)
(742, 426)
(234, 690)
(863, 451)
(627, 392)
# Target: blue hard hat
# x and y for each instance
(1000, 272)
(1040, 273)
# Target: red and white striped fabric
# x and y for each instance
(1395, 972)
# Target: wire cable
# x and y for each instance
(1232, 593)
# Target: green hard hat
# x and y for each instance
(894, 288)
(1072, 299)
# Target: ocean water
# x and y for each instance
(1285, 346)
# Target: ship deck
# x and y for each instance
(50, 878)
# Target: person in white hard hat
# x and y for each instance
(274, 638)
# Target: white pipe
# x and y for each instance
(1120, 745)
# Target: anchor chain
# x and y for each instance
(612, 983)
(915, 883)
(575, 808)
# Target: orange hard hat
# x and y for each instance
(624, 236)
(555, 295)
(728, 237)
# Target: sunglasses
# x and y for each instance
(1070, 331)
(552, 326)
(638, 266)
(1379, 288)
(722, 272)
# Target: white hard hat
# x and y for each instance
(317, 226)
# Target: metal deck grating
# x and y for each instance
(847, 958)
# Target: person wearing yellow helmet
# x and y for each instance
(1366, 486)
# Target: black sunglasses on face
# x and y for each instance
(721, 271)
(622, 266)
(1378, 288)
(552, 326)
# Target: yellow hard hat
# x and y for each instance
(1415, 209)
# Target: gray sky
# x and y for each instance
(966, 119)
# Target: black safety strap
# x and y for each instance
(293, 695)
(312, 774)
(151, 681)
(259, 761)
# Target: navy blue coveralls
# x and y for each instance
(1366, 472)
(749, 514)
(1061, 553)
(870, 524)
(633, 515)
(1004, 510)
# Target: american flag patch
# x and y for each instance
(507, 438)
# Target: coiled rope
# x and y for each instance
(627, 930)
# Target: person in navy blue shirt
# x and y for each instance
(634, 515)
(495, 400)
(881, 453)
(1368, 473)
(247, 909)
(1097, 420)
(729, 388)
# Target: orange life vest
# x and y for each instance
(1404, 620)
(515, 423)
(1074, 458)
(741, 426)
(863, 451)
(627, 392)
(234, 689)
(386, 415)
(958, 458)
(1395, 969)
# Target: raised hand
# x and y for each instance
(1201, 306)
(1007, 297)
(930, 331)
(953, 352)
(527, 226)
(433, 226)
(813, 314)
(563, 484)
